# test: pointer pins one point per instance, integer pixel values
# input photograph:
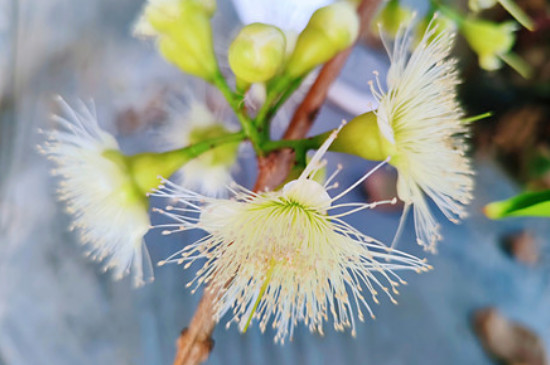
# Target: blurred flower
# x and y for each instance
(281, 257)
(192, 122)
(418, 124)
(184, 34)
(491, 41)
(108, 210)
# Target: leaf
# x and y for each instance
(533, 204)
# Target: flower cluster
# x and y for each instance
(286, 256)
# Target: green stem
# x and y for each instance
(300, 146)
(284, 97)
(146, 167)
(277, 94)
(237, 104)
(305, 144)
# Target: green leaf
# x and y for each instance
(533, 204)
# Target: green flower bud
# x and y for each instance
(330, 30)
(392, 16)
(257, 52)
(489, 40)
(362, 137)
(184, 34)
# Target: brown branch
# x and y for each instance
(194, 344)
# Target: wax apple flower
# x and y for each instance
(418, 124)
(193, 122)
(286, 256)
(107, 209)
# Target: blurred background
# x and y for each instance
(488, 296)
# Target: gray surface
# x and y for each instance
(57, 308)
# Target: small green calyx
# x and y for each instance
(185, 35)
(224, 154)
(489, 40)
(129, 192)
(331, 29)
(362, 137)
(257, 53)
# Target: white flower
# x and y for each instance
(280, 257)
(107, 209)
(421, 119)
(189, 123)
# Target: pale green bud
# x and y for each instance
(362, 137)
(393, 16)
(184, 33)
(489, 40)
(331, 29)
(257, 53)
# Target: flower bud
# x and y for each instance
(183, 30)
(257, 52)
(393, 16)
(330, 30)
(489, 40)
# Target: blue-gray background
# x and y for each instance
(57, 308)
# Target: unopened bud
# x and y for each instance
(330, 30)
(257, 52)
(184, 33)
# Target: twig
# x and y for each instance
(194, 344)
